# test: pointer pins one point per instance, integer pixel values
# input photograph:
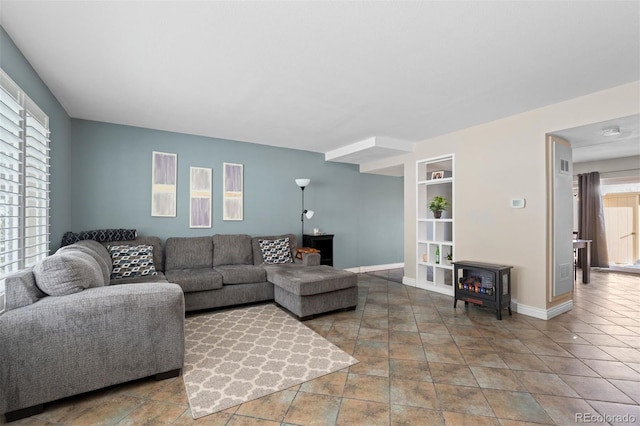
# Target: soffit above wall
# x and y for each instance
(395, 171)
(368, 150)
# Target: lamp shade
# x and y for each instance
(308, 214)
(303, 182)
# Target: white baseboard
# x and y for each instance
(373, 268)
(409, 281)
(545, 314)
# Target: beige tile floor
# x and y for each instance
(424, 363)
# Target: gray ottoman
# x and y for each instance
(311, 290)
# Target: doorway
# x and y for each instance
(621, 224)
(612, 148)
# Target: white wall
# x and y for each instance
(496, 162)
(620, 169)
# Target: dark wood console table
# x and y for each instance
(586, 258)
(322, 242)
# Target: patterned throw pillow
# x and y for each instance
(276, 251)
(131, 261)
(100, 235)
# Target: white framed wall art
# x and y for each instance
(200, 197)
(163, 184)
(233, 186)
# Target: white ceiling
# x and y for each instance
(322, 76)
(588, 143)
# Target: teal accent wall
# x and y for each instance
(111, 188)
(13, 62)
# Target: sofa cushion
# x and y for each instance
(276, 251)
(95, 250)
(159, 278)
(21, 289)
(195, 279)
(67, 273)
(257, 251)
(189, 252)
(308, 280)
(99, 249)
(232, 250)
(132, 261)
(242, 274)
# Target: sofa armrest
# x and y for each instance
(308, 259)
(66, 345)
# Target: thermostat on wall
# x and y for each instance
(517, 203)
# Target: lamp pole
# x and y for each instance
(302, 183)
(302, 218)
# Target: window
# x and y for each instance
(610, 186)
(24, 181)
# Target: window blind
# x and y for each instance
(36, 185)
(24, 180)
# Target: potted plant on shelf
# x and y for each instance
(437, 206)
(449, 258)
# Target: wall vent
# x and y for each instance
(566, 270)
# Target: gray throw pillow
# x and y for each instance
(67, 273)
(83, 246)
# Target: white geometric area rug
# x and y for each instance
(239, 355)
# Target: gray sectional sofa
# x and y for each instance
(228, 270)
(66, 331)
(97, 314)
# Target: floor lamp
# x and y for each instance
(303, 183)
